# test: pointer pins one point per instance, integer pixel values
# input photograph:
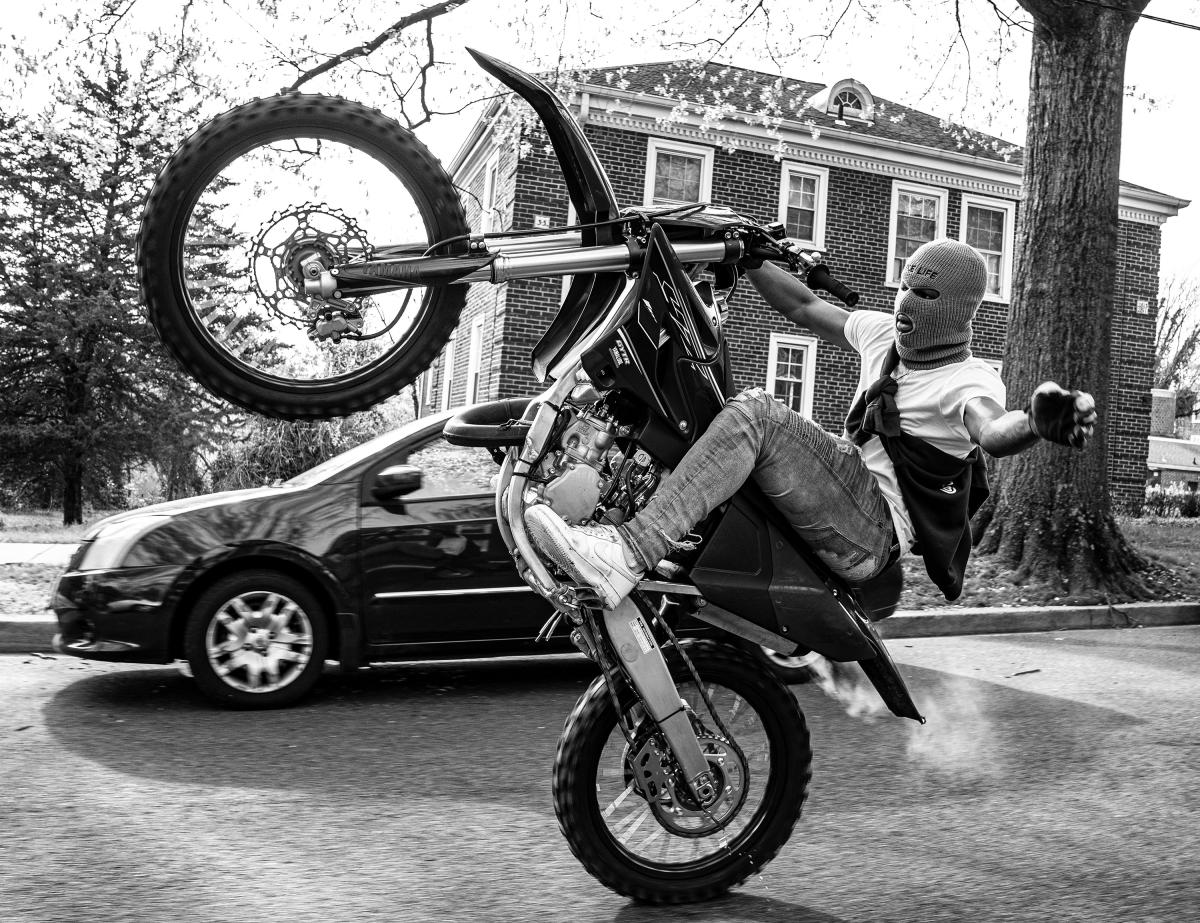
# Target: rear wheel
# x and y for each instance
(238, 209)
(256, 639)
(631, 822)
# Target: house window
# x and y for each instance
(850, 99)
(791, 368)
(847, 102)
(474, 360)
(448, 372)
(427, 391)
(918, 216)
(987, 225)
(677, 173)
(489, 215)
(802, 194)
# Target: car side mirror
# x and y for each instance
(396, 481)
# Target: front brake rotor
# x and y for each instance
(656, 777)
(287, 240)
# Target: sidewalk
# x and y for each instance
(32, 633)
(35, 553)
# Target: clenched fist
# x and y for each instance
(1058, 415)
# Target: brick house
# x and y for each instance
(863, 178)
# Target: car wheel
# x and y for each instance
(256, 639)
(792, 669)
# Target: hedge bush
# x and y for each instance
(1171, 501)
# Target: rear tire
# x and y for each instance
(220, 247)
(600, 831)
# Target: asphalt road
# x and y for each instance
(1056, 780)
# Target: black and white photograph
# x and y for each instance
(555, 461)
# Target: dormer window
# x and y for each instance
(846, 103)
(849, 99)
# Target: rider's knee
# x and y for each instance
(754, 403)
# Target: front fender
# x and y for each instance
(337, 584)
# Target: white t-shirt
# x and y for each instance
(932, 404)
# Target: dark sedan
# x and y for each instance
(389, 551)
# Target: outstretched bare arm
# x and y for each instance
(796, 301)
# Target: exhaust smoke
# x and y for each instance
(957, 737)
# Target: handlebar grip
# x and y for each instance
(819, 277)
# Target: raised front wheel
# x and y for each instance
(241, 207)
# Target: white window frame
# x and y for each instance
(809, 344)
(656, 146)
(427, 391)
(821, 175)
(488, 213)
(1010, 236)
(943, 197)
(474, 361)
(448, 370)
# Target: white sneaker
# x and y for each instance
(595, 555)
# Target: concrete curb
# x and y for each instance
(32, 634)
(932, 623)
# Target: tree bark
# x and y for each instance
(1052, 520)
(72, 491)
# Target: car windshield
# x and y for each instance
(351, 457)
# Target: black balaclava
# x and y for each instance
(932, 332)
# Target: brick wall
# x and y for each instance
(857, 229)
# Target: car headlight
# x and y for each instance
(108, 549)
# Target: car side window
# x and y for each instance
(452, 470)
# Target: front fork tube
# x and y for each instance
(647, 670)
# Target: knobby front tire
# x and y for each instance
(243, 202)
(610, 827)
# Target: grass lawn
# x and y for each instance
(1172, 544)
(45, 526)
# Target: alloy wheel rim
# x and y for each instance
(259, 642)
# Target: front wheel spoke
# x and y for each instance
(288, 655)
(271, 669)
(235, 627)
(628, 827)
(242, 608)
(279, 620)
(618, 801)
(292, 639)
(254, 671)
(235, 662)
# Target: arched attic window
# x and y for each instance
(849, 99)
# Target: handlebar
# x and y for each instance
(820, 277)
(797, 257)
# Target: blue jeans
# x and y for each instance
(818, 481)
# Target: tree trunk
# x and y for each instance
(1052, 520)
(72, 491)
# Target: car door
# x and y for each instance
(435, 568)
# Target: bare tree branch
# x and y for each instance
(1007, 20)
(425, 15)
(725, 41)
(113, 11)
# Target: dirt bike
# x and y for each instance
(683, 768)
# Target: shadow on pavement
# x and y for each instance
(448, 728)
(735, 908)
